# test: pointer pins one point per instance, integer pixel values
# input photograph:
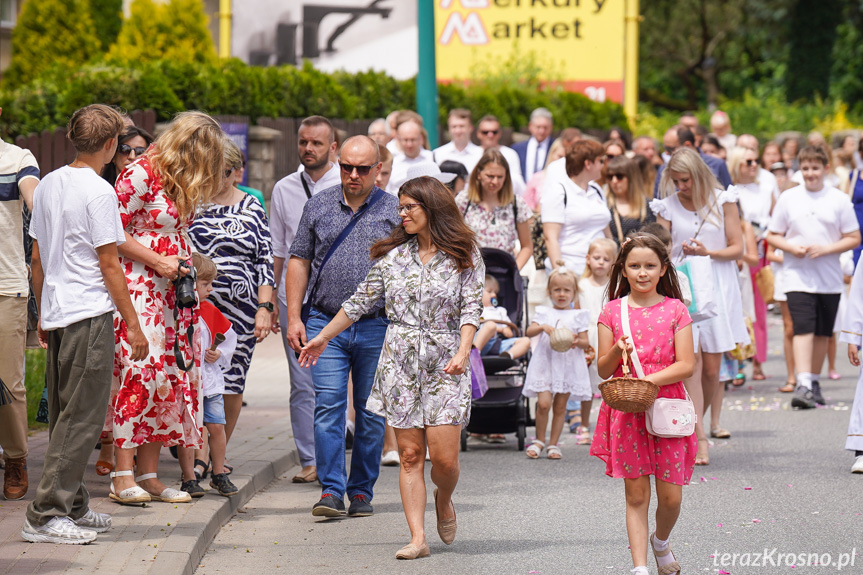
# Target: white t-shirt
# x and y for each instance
(511, 157)
(16, 165)
(75, 211)
(813, 218)
(755, 202)
(494, 313)
(401, 164)
(584, 216)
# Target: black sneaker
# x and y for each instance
(193, 488)
(329, 506)
(802, 398)
(816, 393)
(222, 484)
(360, 506)
(349, 439)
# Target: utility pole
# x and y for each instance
(630, 81)
(427, 98)
(225, 28)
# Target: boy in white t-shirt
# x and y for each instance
(78, 282)
(812, 224)
(495, 335)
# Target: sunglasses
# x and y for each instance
(407, 208)
(490, 132)
(751, 163)
(361, 170)
(126, 149)
(617, 176)
(228, 172)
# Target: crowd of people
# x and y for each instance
(156, 274)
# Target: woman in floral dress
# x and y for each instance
(154, 402)
(432, 274)
(493, 211)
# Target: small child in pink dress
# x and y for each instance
(662, 336)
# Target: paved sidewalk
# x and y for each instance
(163, 538)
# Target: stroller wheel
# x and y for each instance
(521, 434)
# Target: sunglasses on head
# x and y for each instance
(126, 149)
(361, 170)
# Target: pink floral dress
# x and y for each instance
(153, 400)
(621, 439)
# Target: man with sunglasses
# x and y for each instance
(488, 133)
(352, 217)
(460, 149)
(315, 143)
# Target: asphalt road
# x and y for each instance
(782, 483)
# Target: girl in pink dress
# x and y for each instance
(662, 336)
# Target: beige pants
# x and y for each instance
(13, 339)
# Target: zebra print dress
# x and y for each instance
(237, 238)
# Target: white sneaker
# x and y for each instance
(858, 465)
(390, 459)
(98, 522)
(58, 530)
(428, 457)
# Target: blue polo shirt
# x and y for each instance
(325, 215)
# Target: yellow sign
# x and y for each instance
(582, 40)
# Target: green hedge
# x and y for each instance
(232, 87)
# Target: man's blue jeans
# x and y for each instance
(356, 351)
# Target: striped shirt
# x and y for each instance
(16, 165)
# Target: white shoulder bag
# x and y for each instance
(667, 417)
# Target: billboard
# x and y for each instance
(579, 42)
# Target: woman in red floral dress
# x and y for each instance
(153, 401)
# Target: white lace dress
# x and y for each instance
(554, 371)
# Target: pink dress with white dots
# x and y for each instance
(621, 439)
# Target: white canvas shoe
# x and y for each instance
(858, 465)
(58, 530)
(390, 459)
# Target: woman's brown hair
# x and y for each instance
(668, 285)
(449, 233)
(491, 156)
(636, 189)
(579, 153)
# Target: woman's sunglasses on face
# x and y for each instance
(126, 149)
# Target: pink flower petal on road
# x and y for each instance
(747, 489)
(756, 521)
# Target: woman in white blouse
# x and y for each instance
(704, 221)
(574, 216)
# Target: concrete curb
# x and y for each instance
(182, 550)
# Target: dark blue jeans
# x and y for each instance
(356, 351)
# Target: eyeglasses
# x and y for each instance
(228, 172)
(126, 149)
(751, 163)
(489, 132)
(617, 176)
(361, 170)
(407, 208)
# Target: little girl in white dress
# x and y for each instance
(551, 375)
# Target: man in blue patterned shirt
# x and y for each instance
(356, 350)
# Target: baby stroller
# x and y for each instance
(503, 409)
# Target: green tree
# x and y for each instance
(846, 78)
(813, 32)
(108, 18)
(175, 31)
(51, 32)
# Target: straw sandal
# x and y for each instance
(553, 452)
(534, 449)
(672, 568)
(131, 496)
(168, 495)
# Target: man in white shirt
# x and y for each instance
(316, 141)
(460, 149)
(766, 180)
(488, 133)
(19, 174)
(410, 137)
(533, 152)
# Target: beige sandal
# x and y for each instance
(553, 452)
(167, 495)
(534, 450)
(411, 551)
(672, 568)
(583, 437)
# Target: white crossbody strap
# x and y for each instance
(624, 319)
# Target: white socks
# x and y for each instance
(640, 570)
(805, 379)
(659, 544)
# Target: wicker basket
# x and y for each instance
(628, 394)
(560, 339)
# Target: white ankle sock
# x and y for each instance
(659, 544)
(640, 570)
(805, 379)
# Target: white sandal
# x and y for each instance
(168, 495)
(534, 449)
(131, 496)
(554, 450)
